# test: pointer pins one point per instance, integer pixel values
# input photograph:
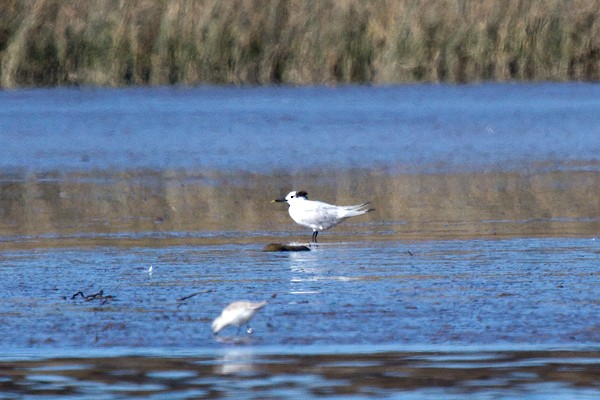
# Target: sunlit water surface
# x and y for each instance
(478, 317)
(477, 277)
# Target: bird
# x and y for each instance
(237, 313)
(317, 215)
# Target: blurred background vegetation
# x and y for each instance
(190, 42)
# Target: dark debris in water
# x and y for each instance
(274, 247)
(96, 296)
(184, 298)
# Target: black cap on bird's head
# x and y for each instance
(291, 195)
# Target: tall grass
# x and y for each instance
(117, 42)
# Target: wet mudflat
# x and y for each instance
(130, 218)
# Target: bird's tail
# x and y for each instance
(359, 209)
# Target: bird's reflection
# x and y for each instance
(236, 361)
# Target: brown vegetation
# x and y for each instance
(115, 43)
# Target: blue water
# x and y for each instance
(407, 128)
(360, 315)
(473, 292)
(432, 319)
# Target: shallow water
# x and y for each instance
(475, 278)
(313, 373)
(464, 292)
(460, 317)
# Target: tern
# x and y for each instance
(237, 313)
(317, 215)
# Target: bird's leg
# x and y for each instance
(314, 236)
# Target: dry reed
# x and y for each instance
(115, 43)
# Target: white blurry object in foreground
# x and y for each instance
(237, 313)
